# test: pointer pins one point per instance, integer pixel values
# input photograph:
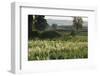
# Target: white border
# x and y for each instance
(18, 60)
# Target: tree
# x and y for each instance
(77, 23)
(54, 26)
(30, 23)
(40, 22)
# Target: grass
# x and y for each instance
(69, 48)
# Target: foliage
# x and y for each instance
(77, 23)
(40, 23)
(72, 33)
(35, 34)
(54, 26)
(49, 34)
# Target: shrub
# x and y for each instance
(73, 33)
(35, 34)
(50, 34)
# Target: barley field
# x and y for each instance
(72, 48)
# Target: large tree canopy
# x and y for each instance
(40, 22)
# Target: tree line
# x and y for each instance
(39, 23)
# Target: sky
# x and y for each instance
(63, 18)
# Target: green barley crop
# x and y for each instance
(57, 49)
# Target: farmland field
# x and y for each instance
(73, 48)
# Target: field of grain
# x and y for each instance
(72, 48)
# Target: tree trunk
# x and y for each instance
(30, 23)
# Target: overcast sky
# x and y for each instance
(63, 18)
